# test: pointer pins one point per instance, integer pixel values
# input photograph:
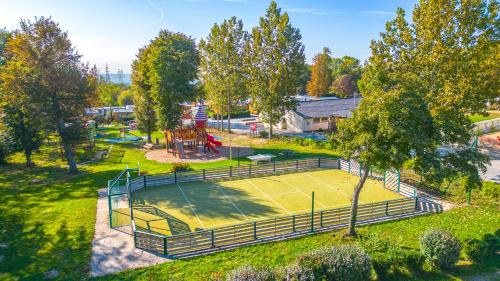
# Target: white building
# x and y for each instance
(313, 115)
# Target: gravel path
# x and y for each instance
(113, 249)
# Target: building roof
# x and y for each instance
(327, 107)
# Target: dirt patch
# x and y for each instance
(162, 156)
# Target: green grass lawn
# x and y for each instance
(47, 221)
(479, 118)
(464, 222)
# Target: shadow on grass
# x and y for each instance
(35, 252)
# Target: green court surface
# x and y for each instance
(184, 207)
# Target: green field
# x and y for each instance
(178, 208)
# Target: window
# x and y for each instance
(316, 120)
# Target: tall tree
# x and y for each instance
(21, 125)
(345, 85)
(386, 131)
(221, 67)
(449, 56)
(4, 150)
(345, 65)
(320, 74)
(144, 109)
(174, 66)
(60, 88)
(275, 57)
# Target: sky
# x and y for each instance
(111, 31)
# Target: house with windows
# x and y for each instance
(318, 114)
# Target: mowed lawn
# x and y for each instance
(203, 205)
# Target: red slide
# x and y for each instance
(211, 147)
(211, 139)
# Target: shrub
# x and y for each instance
(264, 134)
(381, 263)
(414, 260)
(295, 272)
(492, 243)
(180, 167)
(475, 249)
(491, 189)
(342, 263)
(250, 273)
(440, 248)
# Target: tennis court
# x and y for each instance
(185, 207)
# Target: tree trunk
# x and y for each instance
(270, 126)
(27, 153)
(67, 149)
(149, 137)
(355, 199)
(229, 120)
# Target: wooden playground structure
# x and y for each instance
(193, 138)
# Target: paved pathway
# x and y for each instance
(113, 250)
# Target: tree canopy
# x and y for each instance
(222, 69)
(49, 77)
(448, 56)
(320, 74)
(275, 59)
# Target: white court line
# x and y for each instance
(307, 195)
(332, 187)
(231, 201)
(268, 197)
(189, 203)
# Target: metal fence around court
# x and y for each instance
(198, 242)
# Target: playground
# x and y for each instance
(186, 207)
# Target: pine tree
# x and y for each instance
(320, 74)
(275, 57)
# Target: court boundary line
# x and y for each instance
(269, 197)
(191, 206)
(337, 189)
(228, 198)
(301, 191)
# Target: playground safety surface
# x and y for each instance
(179, 208)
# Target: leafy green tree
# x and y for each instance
(21, 129)
(387, 130)
(126, 97)
(448, 56)
(144, 110)
(222, 68)
(109, 93)
(174, 66)
(4, 151)
(59, 86)
(304, 77)
(345, 65)
(346, 85)
(320, 74)
(275, 58)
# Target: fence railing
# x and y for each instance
(240, 171)
(249, 232)
(299, 224)
(487, 125)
